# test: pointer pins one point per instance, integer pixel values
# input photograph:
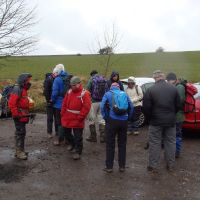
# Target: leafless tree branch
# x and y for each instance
(16, 21)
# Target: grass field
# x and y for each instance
(184, 64)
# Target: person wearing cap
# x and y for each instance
(19, 106)
(95, 113)
(115, 125)
(136, 95)
(57, 98)
(172, 79)
(161, 103)
(75, 108)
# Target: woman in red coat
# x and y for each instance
(19, 106)
(75, 108)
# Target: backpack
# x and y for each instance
(66, 84)
(190, 91)
(98, 87)
(47, 76)
(7, 90)
(119, 102)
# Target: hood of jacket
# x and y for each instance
(114, 73)
(23, 78)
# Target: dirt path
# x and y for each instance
(50, 173)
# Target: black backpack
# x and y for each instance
(66, 84)
(47, 76)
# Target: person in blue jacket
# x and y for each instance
(57, 97)
(115, 125)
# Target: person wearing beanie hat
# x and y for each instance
(75, 108)
(160, 104)
(75, 80)
(172, 79)
(96, 86)
(136, 95)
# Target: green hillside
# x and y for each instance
(185, 64)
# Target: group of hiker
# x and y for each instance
(106, 103)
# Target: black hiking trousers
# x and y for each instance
(75, 139)
(113, 128)
(50, 119)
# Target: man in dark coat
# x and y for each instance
(161, 103)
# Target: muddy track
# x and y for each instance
(50, 173)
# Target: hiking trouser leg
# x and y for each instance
(93, 134)
(69, 136)
(78, 140)
(110, 143)
(155, 137)
(57, 119)
(122, 138)
(178, 137)
(20, 134)
(49, 119)
(169, 136)
(102, 132)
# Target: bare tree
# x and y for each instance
(106, 47)
(16, 21)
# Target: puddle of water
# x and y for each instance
(6, 155)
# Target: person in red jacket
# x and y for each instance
(75, 108)
(19, 106)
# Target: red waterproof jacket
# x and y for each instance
(75, 107)
(18, 101)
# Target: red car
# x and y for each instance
(192, 119)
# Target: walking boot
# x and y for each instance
(21, 154)
(93, 134)
(102, 133)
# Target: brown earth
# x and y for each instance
(50, 173)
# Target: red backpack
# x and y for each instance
(190, 91)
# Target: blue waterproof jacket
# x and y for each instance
(107, 108)
(57, 90)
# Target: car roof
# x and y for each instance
(140, 80)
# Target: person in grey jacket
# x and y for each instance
(161, 103)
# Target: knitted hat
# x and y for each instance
(58, 68)
(171, 77)
(75, 80)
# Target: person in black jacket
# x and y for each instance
(114, 78)
(161, 103)
(48, 83)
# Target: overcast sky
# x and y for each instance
(72, 26)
